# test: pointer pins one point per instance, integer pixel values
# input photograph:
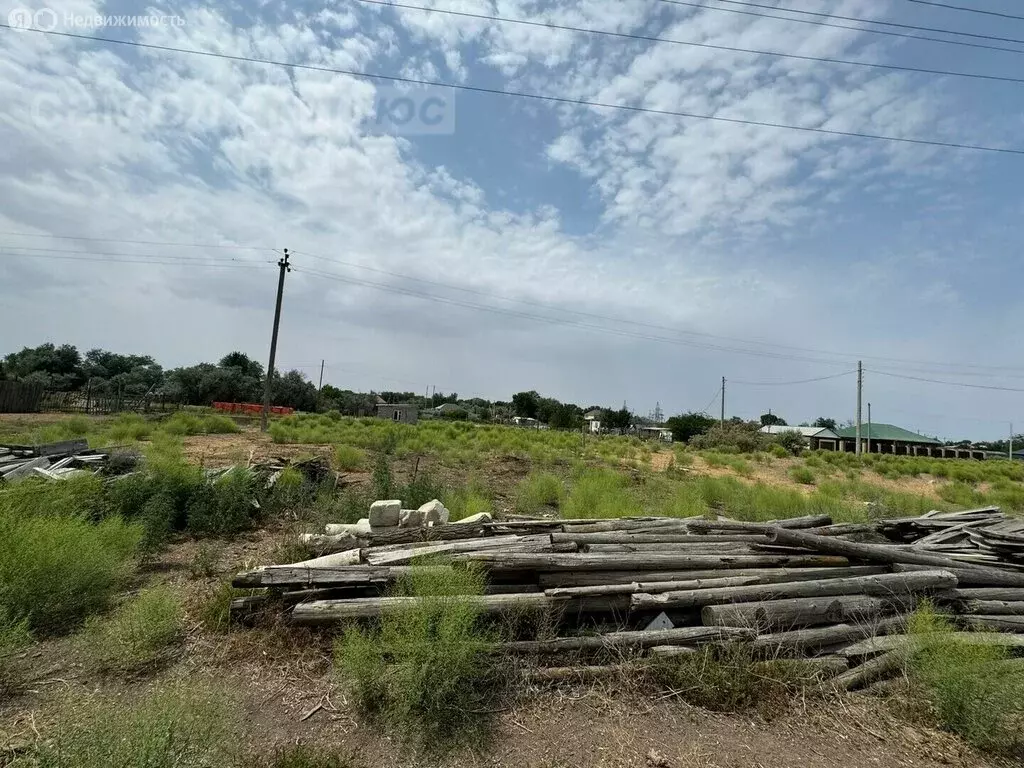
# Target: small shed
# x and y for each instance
(592, 422)
(401, 412)
(817, 438)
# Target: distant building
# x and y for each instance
(444, 408)
(655, 433)
(816, 438)
(896, 441)
(592, 422)
(526, 421)
(401, 412)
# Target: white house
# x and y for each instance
(816, 437)
(592, 422)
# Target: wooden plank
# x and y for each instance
(655, 538)
(548, 580)
(650, 561)
(873, 645)
(993, 607)
(289, 576)
(994, 623)
(804, 611)
(813, 638)
(886, 665)
(880, 586)
(736, 548)
(688, 636)
(809, 521)
(408, 553)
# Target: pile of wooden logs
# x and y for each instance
(802, 588)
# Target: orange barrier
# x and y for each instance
(251, 409)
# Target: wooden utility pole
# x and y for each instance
(860, 394)
(1011, 442)
(284, 266)
(869, 427)
(723, 403)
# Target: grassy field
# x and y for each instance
(113, 591)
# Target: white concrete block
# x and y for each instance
(385, 514)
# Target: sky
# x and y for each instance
(488, 244)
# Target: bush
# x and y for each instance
(471, 499)
(975, 691)
(224, 507)
(536, 491)
(778, 451)
(792, 442)
(57, 570)
(424, 669)
(743, 437)
(215, 609)
(139, 633)
(180, 728)
(349, 458)
(802, 475)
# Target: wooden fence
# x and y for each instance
(88, 402)
(20, 397)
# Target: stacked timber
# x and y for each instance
(801, 588)
(52, 461)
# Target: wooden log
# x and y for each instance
(642, 639)
(607, 526)
(767, 575)
(348, 557)
(843, 529)
(967, 576)
(406, 554)
(882, 644)
(579, 674)
(329, 544)
(725, 548)
(809, 521)
(994, 623)
(992, 607)
(881, 586)
(288, 576)
(804, 611)
(434, 534)
(889, 554)
(670, 651)
(323, 612)
(650, 561)
(814, 638)
(886, 665)
(655, 538)
(1008, 594)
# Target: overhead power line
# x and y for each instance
(948, 383)
(885, 32)
(859, 20)
(165, 262)
(968, 10)
(174, 257)
(846, 357)
(136, 242)
(689, 43)
(790, 383)
(526, 95)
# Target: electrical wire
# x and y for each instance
(968, 10)
(947, 383)
(789, 383)
(131, 261)
(732, 49)
(129, 255)
(704, 410)
(524, 94)
(136, 242)
(846, 358)
(858, 20)
(887, 33)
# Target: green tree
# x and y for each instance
(771, 420)
(526, 404)
(689, 425)
(249, 367)
(57, 367)
(824, 423)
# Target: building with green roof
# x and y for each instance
(888, 438)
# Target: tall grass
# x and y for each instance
(349, 458)
(185, 727)
(424, 670)
(974, 690)
(600, 493)
(472, 498)
(14, 636)
(138, 633)
(537, 491)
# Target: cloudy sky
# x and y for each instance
(487, 244)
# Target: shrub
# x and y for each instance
(802, 475)
(382, 481)
(224, 507)
(138, 633)
(203, 564)
(778, 451)
(791, 441)
(215, 608)
(974, 690)
(470, 499)
(79, 497)
(743, 437)
(422, 488)
(56, 570)
(536, 491)
(424, 669)
(180, 728)
(349, 458)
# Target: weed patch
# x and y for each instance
(138, 633)
(537, 491)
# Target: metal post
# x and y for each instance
(285, 267)
(860, 392)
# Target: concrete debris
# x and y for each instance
(52, 461)
(411, 518)
(434, 513)
(385, 514)
(360, 529)
(477, 519)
